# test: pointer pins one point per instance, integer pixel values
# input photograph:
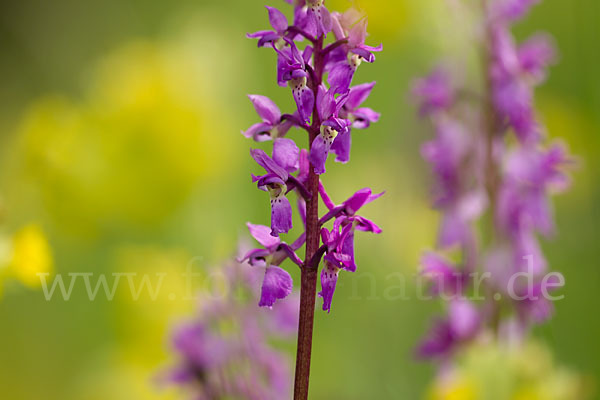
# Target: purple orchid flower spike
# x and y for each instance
(280, 25)
(271, 126)
(480, 170)
(332, 127)
(360, 118)
(278, 181)
(326, 113)
(292, 69)
(277, 282)
(318, 17)
(344, 60)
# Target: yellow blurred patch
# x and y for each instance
(490, 370)
(388, 19)
(31, 255)
(146, 133)
(459, 389)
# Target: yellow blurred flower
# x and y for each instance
(31, 255)
(146, 133)
(491, 371)
(457, 388)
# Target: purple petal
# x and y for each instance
(319, 19)
(329, 277)
(357, 200)
(268, 164)
(514, 98)
(260, 132)
(464, 318)
(265, 108)
(262, 234)
(340, 76)
(320, 149)
(434, 92)
(358, 94)
(341, 147)
(439, 341)
(453, 230)
(535, 54)
(289, 250)
(286, 154)
(364, 53)
(347, 249)
(278, 21)
(325, 103)
(363, 117)
(277, 284)
(366, 225)
(256, 257)
(281, 215)
(357, 34)
(304, 99)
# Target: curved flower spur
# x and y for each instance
(317, 57)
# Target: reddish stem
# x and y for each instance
(308, 286)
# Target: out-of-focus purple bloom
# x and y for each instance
(510, 10)
(462, 324)
(446, 153)
(278, 22)
(438, 342)
(332, 127)
(285, 160)
(523, 204)
(535, 55)
(291, 69)
(512, 94)
(477, 168)
(215, 363)
(359, 117)
(533, 305)
(271, 126)
(446, 279)
(514, 71)
(530, 176)
(433, 92)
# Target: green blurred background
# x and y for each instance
(120, 145)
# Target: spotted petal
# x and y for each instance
(277, 284)
(281, 215)
(329, 277)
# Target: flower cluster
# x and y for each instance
(317, 57)
(491, 167)
(226, 351)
